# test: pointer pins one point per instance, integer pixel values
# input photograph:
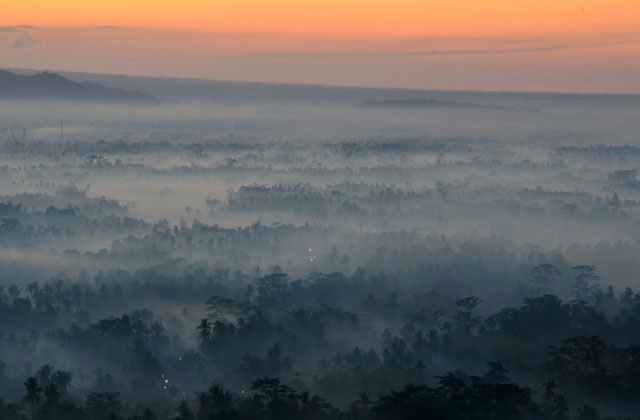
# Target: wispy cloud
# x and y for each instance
(26, 40)
(16, 28)
(400, 53)
(507, 48)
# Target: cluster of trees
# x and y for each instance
(323, 347)
(455, 396)
(372, 201)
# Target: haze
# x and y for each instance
(339, 211)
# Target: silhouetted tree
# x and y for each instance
(544, 277)
(183, 412)
(586, 281)
(204, 331)
(32, 396)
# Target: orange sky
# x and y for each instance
(558, 45)
(338, 17)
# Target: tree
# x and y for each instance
(496, 373)
(463, 318)
(61, 379)
(586, 281)
(544, 276)
(217, 402)
(51, 395)
(147, 414)
(272, 290)
(580, 356)
(279, 400)
(32, 396)
(204, 331)
(183, 412)
(100, 405)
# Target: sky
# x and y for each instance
(542, 45)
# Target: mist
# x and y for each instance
(231, 250)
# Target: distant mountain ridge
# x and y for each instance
(163, 89)
(48, 85)
(431, 103)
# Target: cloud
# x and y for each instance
(25, 41)
(108, 27)
(447, 51)
(401, 53)
(17, 28)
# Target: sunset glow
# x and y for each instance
(351, 18)
(378, 43)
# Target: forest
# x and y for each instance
(299, 253)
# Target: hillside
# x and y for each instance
(54, 86)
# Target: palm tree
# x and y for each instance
(32, 397)
(204, 331)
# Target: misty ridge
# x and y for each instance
(430, 103)
(52, 85)
(224, 250)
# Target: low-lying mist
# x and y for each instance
(347, 244)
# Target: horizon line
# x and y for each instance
(339, 86)
(320, 85)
